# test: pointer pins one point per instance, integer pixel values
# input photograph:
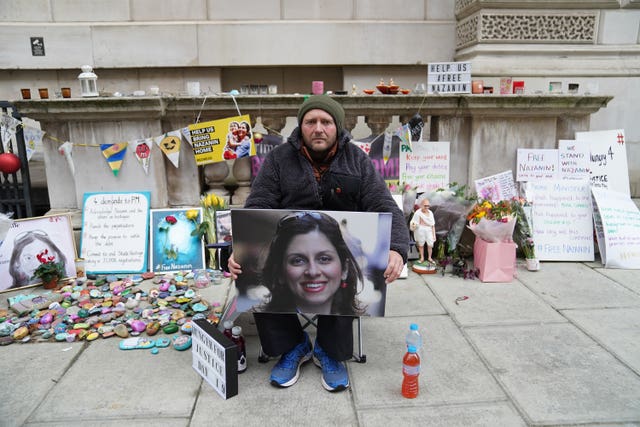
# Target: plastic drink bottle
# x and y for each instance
(228, 325)
(410, 371)
(413, 337)
(238, 339)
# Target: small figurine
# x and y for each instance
(423, 226)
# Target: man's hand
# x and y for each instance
(394, 268)
(234, 267)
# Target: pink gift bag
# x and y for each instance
(496, 261)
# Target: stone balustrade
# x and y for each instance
(484, 131)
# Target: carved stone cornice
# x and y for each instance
(465, 8)
(528, 27)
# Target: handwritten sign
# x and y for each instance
(449, 77)
(536, 164)
(608, 155)
(620, 227)
(496, 187)
(115, 232)
(425, 164)
(573, 159)
(215, 358)
(562, 220)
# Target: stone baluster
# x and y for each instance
(378, 123)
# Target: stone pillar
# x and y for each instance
(378, 123)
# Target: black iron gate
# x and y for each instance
(15, 188)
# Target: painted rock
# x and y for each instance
(108, 334)
(61, 336)
(46, 319)
(199, 307)
(178, 314)
(149, 275)
(131, 303)
(81, 326)
(164, 286)
(171, 328)
(138, 325)
(23, 331)
(121, 331)
(153, 328)
(92, 336)
(186, 328)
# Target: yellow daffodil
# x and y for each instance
(192, 214)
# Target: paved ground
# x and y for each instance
(560, 346)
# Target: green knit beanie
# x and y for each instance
(325, 103)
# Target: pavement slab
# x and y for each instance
(490, 303)
(123, 385)
(451, 372)
(630, 279)
(479, 414)
(410, 296)
(30, 371)
(555, 374)
(566, 285)
(616, 329)
(258, 403)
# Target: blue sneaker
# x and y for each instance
(334, 373)
(286, 372)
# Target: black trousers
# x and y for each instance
(280, 332)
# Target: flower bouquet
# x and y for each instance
(492, 222)
(523, 236)
(49, 271)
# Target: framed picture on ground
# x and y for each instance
(29, 237)
(173, 247)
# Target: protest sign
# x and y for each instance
(449, 77)
(619, 229)
(353, 240)
(562, 227)
(115, 232)
(608, 156)
(425, 165)
(496, 187)
(223, 139)
(214, 358)
(537, 164)
(573, 159)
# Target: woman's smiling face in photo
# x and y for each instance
(313, 270)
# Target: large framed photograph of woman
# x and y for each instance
(26, 239)
(315, 262)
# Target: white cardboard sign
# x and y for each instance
(562, 220)
(618, 229)
(537, 164)
(608, 156)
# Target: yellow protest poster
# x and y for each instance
(223, 139)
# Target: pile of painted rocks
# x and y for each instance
(110, 306)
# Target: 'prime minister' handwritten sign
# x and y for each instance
(215, 358)
(449, 77)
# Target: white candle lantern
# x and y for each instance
(88, 81)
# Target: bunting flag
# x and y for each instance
(143, 153)
(364, 146)
(169, 143)
(114, 153)
(186, 134)
(66, 150)
(32, 139)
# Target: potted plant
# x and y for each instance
(49, 271)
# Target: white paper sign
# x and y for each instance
(425, 164)
(537, 164)
(574, 159)
(496, 187)
(608, 155)
(562, 220)
(620, 222)
(115, 232)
